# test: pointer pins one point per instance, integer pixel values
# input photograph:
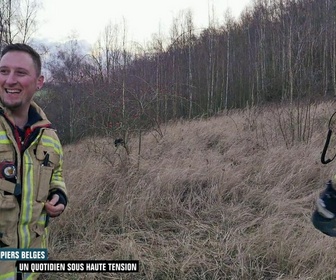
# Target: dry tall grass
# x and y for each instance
(223, 198)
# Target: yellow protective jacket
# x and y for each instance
(23, 222)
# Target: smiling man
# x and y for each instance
(32, 188)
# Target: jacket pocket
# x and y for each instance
(47, 159)
(9, 213)
(41, 237)
(47, 156)
(44, 183)
(6, 152)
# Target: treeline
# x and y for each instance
(278, 50)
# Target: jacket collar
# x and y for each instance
(34, 109)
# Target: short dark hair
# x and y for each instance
(27, 49)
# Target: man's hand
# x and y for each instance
(53, 209)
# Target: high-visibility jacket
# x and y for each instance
(23, 219)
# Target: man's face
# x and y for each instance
(18, 80)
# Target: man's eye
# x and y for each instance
(21, 73)
(3, 71)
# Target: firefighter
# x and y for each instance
(32, 188)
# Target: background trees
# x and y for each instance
(17, 20)
(278, 50)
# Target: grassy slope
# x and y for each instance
(222, 198)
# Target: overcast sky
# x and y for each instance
(88, 18)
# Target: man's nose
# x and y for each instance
(11, 79)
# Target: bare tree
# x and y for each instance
(18, 20)
(68, 81)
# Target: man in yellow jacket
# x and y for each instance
(32, 188)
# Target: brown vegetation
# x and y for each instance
(212, 199)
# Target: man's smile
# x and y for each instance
(12, 91)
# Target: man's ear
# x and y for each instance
(40, 81)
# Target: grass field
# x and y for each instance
(228, 197)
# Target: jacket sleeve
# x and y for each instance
(57, 184)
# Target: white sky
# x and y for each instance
(87, 18)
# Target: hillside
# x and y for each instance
(225, 198)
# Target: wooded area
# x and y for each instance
(278, 50)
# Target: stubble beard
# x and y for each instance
(11, 106)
